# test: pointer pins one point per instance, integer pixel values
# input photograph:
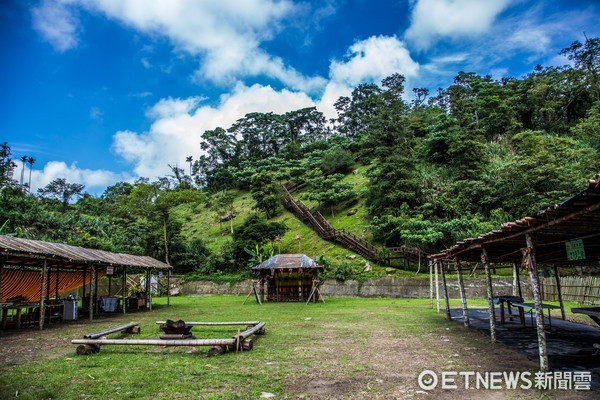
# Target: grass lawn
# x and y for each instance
(347, 348)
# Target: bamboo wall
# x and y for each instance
(578, 289)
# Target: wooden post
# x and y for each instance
(83, 288)
(96, 291)
(92, 292)
(1, 272)
(448, 316)
(437, 285)
(56, 293)
(169, 286)
(109, 284)
(490, 294)
(431, 283)
(559, 290)
(42, 294)
(463, 295)
(150, 290)
(124, 289)
(530, 264)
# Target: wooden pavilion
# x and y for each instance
(566, 234)
(33, 273)
(289, 277)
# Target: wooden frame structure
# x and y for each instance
(546, 237)
(288, 277)
(34, 267)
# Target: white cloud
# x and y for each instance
(179, 123)
(94, 180)
(373, 59)
(434, 19)
(226, 35)
(56, 23)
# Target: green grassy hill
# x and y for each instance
(199, 221)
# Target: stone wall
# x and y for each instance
(380, 287)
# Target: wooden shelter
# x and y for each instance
(33, 272)
(289, 277)
(565, 234)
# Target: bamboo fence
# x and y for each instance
(578, 289)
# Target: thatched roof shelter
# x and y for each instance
(32, 270)
(564, 234)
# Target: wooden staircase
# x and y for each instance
(342, 236)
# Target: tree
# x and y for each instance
(30, 161)
(7, 166)
(586, 57)
(222, 205)
(267, 193)
(23, 160)
(59, 189)
(329, 190)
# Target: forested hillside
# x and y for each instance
(420, 173)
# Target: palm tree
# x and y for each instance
(190, 159)
(24, 160)
(31, 161)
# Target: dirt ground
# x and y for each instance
(381, 365)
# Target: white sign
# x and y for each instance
(109, 270)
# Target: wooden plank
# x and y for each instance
(157, 342)
(249, 323)
(108, 331)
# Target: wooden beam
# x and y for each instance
(42, 294)
(530, 264)
(448, 316)
(92, 293)
(463, 295)
(559, 290)
(124, 289)
(437, 285)
(490, 294)
(96, 335)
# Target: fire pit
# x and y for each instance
(178, 329)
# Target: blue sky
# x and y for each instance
(100, 91)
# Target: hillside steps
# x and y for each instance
(344, 237)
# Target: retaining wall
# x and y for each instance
(380, 287)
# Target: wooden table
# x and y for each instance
(19, 318)
(531, 307)
(592, 312)
(508, 300)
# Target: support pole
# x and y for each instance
(530, 264)
(448, 316)
(56, 289)
(516, 286)
(559, 290)
(437, 285)
(490, 294)
(92, 292)
(96, 291)
(431, 283)
(109, 285)
(83, 289)
(1, 272)
(169, 286)
(43, 293)
(124, 290)
(463, 295)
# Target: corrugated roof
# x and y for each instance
(577, 218)
(28, 252)
(288, 261)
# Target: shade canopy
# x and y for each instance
(33, 253)
(288, 261)
(564, 234)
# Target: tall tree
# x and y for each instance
(59, 189)
(30, 161)
(23, 160)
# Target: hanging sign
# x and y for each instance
(109, 270)
(575, 250)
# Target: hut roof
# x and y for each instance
(27, 252)
(288, 261)
(552, 229)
